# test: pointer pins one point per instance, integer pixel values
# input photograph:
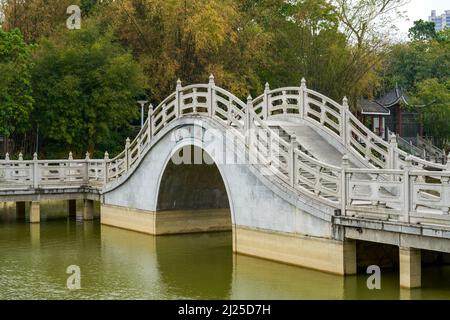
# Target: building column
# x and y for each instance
(350, 266)
(20, 210)
(72, 208)
(35, 212)
(410, 268)
(88, 210)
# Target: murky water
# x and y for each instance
(119, 264)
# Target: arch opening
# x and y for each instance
(192, 195)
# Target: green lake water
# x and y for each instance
(120, 264)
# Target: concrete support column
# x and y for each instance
(350, 266)
(20, 210)
(410, 268)
(88, 210)
(35, 234)
(72, 208)
(35, 212)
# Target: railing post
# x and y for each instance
(87, 162)
(448, 161)
(247, 125)
(178, 99)
(7, 156)
(303, 99)
(344, 122)
(392, 153)
(407, 188)
(127, 154)
(266, 107)
(35, 171)
(105, 167)
(150, 122)
(211, 96)
(344, 190)
(293, 166)
(20, 156)
(66, 172)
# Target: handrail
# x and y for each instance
(395, 183)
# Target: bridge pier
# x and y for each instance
(332, 256)
(88, 210)
(410, 268)
(72, 208)
(35, 212)
(166, 222)
(20, 210)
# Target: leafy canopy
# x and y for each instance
(85, 87)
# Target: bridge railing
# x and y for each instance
(396, 186)
(41, 174)
(407, 195)
(338, 121)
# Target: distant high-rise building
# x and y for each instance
(442, 21)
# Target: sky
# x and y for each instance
(421, 9)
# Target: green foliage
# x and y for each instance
(435, 97)
(411, 63)
(85, 87)
(85, 84)
(422, 30)
(16, 100)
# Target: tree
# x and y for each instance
(16, 100)
(410, 63)
(190, 40)
(85, 87)
(35, 18)
(422, 30)
(435, 97)
(369, 23)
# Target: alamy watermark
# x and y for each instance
(74, 280)
(374, 281)
(74, 21)
(260, 147)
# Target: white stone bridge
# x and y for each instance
(294, 175)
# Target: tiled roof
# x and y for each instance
(392, 98)
(372, 107)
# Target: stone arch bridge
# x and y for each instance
(295, 176)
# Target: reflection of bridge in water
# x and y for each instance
(303, 181)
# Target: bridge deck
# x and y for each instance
(312, 141)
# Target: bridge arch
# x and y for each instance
(193, 191)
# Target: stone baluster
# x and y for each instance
(392, 152)
(65, 175)
(248, 120)
(407, 189)
(344, 123)
(293, 160)
(344, 185)
(211, 96)
(446, 184)
(36, 176)
(87, 160)
(303, 99)
(105, 167)
(178, 98)
(20, 156)
(448, 162)
(127, 154)
(150, 122)
(266, 103)
(7, 156)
